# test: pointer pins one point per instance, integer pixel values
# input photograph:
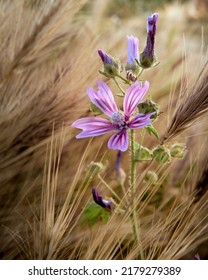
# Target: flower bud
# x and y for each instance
(177, 150)
(147, 57)
(112, 68)
(132, 67)
(151, 177)
(107, 204)
(96, 167)
(149, 106)
(161, 154)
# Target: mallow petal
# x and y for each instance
(140, 120)
(119, 141)
(100, 201)
(105, 57)
(133, 49)
(93, 127)
(103, 98)
(133, 96)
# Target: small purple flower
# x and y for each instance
(147, 58)
(106, 59)
(100, 201)
(133, 49)
(120, 123)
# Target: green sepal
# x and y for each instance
(152, 130)
(162, 154)
(94, 213)
(146, 63)
(177, 150)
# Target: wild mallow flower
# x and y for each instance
(119, 123)
(132, 68)
(108, 205)
(147, 57)
(112, 67)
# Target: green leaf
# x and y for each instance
(142, 153)
(93, 213)
(150, 128)
(95, 109)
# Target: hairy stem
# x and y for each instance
(133, 188)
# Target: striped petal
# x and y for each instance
(93, 127)
(133, 49)
(133, 96)
(140, 120)
(103, 98)
(119, 141)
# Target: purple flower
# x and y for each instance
(147, 58)
(133, 49)
(105, 57)
(100, 201)
(104, 100)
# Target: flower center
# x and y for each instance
(118, 121)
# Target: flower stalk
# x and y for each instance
(120, 88)
(133, 190)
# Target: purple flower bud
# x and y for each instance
(133, 49)
(132, 67)
(111, 65)
(147, 57)
(105, 57)
(100, 201)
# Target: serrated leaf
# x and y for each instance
(95, 109)
(151, 129)
(93, 213)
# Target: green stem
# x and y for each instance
(125, 80)
(119, 86)
(142, 70)
(109, 188)
(133, 189)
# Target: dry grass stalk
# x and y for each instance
(192, 105)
